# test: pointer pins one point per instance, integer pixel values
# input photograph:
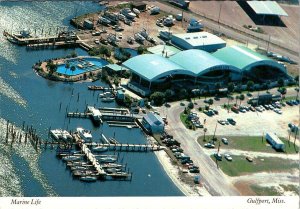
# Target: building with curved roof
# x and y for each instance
(251, 63)
(203, 64)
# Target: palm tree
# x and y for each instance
(242, 97)
(205, 130)
(236, 99)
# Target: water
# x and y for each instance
(24, 96)
(97, 63)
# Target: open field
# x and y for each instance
(275, 191)
(251, 143)
(240, 166)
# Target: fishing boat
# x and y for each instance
(85, 134)
(99, 149)
(88, 178)
(71, 158)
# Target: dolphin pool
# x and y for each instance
(81, 64)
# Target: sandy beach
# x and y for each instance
(173, 173)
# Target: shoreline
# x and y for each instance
(173, 173)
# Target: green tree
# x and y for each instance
(210, 102)
(140, 50)
(169, 94)
(236, 99)
(280, 82)
(191, 105)
(158, 98)
(230, 87)
(73, 54)
(51, 67)
(250, 85)
(67, 65)
(73, 68)
(183, 94)
(241, 97)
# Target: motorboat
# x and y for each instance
(194, 26)
(113, 170)
(71, 158)
(169, 21)
(107, 159)
(104, 20)
(128, 13)
(85, 134)
(96, 114)
(112, 165)
(144, 33)
(106, 94)
(88, 178)
(59, 134)
(99, 148)
(139, 38)
(108, 99)
(165, 34)
(136, 11)
(81, 168)
(154, 10)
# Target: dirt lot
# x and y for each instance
(232, 14)
(145, 20)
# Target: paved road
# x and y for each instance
(292, 52)
(214, 180)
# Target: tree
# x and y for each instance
(241, 97)
(116, 81)
(73, 54)
(182, 94)
(169, 94)
(230, 87)
(280, 82)
(205, 130)
(140, 50)
(210, 102)
(191, 105)
(51, 67)
(158, 98)
(236, 99)
(67, 65)
(73, 68)
(250, 85)
(217, 86)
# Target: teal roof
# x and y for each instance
(267, 8)
(152, 66)
(199, 61)
(168, 50)
(244, 58)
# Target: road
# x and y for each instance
(290, 51)
(215, 181)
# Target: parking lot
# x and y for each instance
(251, 123)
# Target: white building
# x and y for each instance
(273, 139)
(198, 40)
(153, 123)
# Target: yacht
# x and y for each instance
(107, 159)
(71, 158)
(88, 178)
(100, 148)
(85, 134)
(96, 114)
(59, 134)
(128, 13)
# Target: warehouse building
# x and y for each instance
(198, 40)
(153, 123)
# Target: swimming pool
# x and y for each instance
(82, 65)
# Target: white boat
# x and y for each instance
(169, 21)
(144, 33)
(71, 158)
(80, 168)
(59, 134)
(128, 13)
(106, 94)
(108, 99)
(100, 149)
(88, 178)
(165, 34)
(194, 25)
(154, 10)
(96, 114)
(136, 11)
(85, 134)
(113, 170)
(107, 159)
(138, 37)
(104, 20)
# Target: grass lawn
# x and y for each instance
(251, 143)
(265, 191)
(183, 118)
(240, 166)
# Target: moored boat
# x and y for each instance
(71, 158)
(100, 149)
(88, 178)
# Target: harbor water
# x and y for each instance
(24, 96)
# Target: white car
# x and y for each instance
(97, 41)
(224, 140)
(228, 157)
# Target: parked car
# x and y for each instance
(224, 140)
(231, 121)
(218, 156)
(250, 159)
(209, 145)
(228, 157)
